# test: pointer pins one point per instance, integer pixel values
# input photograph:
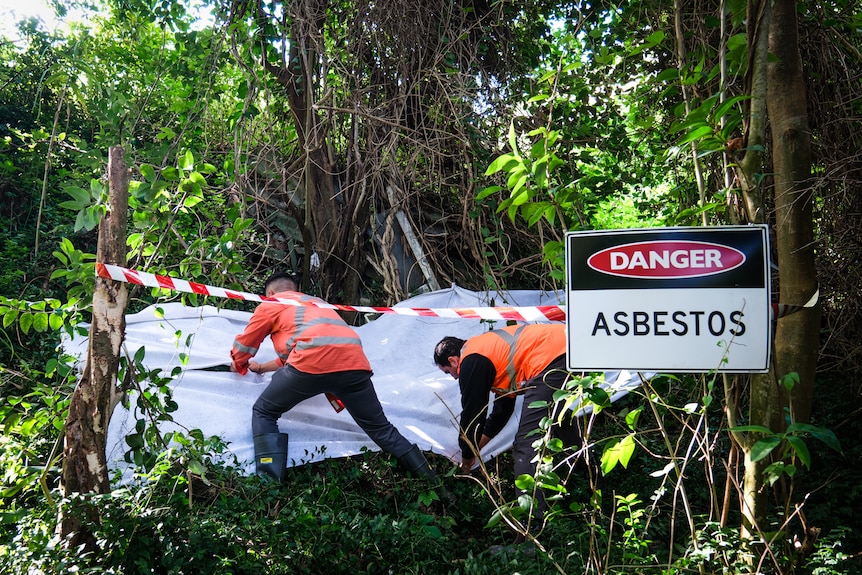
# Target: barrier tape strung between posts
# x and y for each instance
(532, 313)
(525, 313)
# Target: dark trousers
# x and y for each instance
(542, 388)
(289, 386)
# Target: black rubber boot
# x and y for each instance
(414, 461)
(270, 455)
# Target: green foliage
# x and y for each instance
(792, 443)
(635, 543)
(828, 557)
(716, 549)
(78, 271)
(91, 205)
(357, 514)
(595, 137)
(154, 405)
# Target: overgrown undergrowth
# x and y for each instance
(363, 515)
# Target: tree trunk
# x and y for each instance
(330, 209)
(797, 335)
(765, 398)
(85, 469)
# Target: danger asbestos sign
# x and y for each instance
(669, 299)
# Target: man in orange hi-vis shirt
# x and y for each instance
(317, 353)
(520, 359)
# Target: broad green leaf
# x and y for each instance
(598, 396)
(655, 38)
(525, 482)
(495, 519)
(764, 447)
(187, 161)
(668, 75)
(80, 195)
(40, 322)
(516, 176)
(485, 192)
(25, 321)
(827, 436)
(148, 173)
(520, 194)
(800, 449)
(513, 138)
(547, 76)
(696, 134)
(790, 381)
(555, 445)
(134, 440)
(610, 456)
(753, 428)
(632, 418)
(166, 134)
(504, 162)
(626, 450)
(55, 321)
(725, 106)
(192, 201)
(533, 212)
(197, 467)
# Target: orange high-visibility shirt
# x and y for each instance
(518, 352)
(311, 339)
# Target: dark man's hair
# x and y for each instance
(447, 347)
(282, 281)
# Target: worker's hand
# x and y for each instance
(467, 464)
(254, 366)
(233, 367)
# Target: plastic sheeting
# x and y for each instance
(421, 401)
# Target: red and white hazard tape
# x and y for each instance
(531, 313)
(783, 309)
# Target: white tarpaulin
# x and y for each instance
(421, 401)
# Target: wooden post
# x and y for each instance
(413, 242)
(85, 468)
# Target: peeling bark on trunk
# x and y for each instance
(84, 464)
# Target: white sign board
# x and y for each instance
(669, 299)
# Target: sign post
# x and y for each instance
(669, 299)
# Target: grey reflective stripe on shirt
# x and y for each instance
(300, 323)
(511, 341)
(318, 341)
(244, 348)
(322, 341)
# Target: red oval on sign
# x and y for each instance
(666, 259)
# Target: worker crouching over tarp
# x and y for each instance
(528, 360)
(317, 353)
